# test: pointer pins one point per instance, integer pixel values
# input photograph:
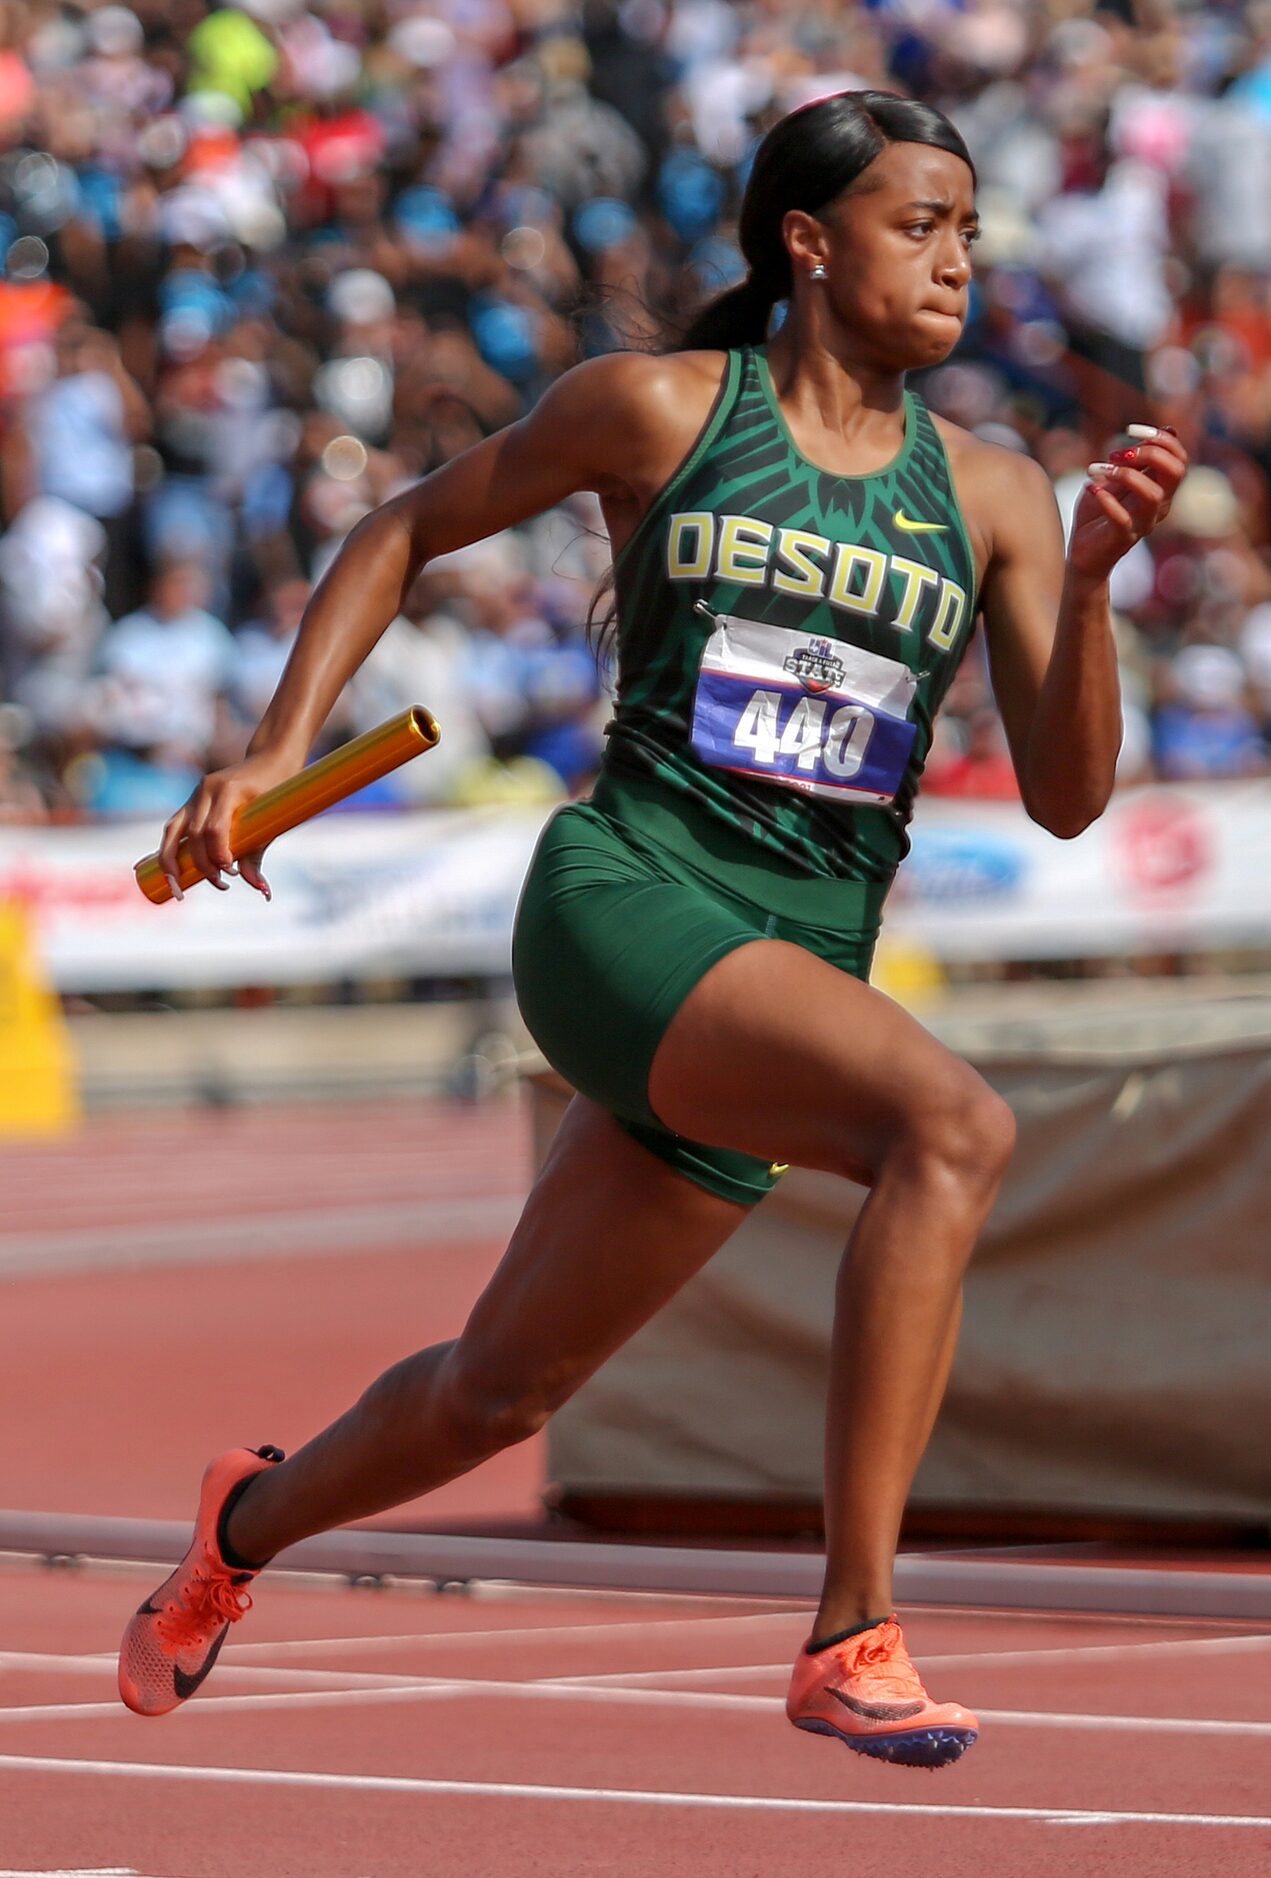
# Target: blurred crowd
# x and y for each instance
(263, 265)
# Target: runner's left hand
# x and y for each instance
(1124, 500)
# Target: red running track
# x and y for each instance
(173, 1284)
(382, 1734)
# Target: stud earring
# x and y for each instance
(819, 272)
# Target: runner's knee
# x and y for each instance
(967, 1131)
(489, 1409)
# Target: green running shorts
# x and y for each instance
(615, 927)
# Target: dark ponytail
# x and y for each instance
(806, 160)
(738, 317)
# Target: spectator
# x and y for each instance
(145, 781)
(52, 613)
(263, 647)
(264, 264)
(81, 431)
(1204, 727)
(164, 669)
(983, 766)
(1103, 245)
(1255, 650)
(424, 658)
(21, 799)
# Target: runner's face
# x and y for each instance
(899, 255)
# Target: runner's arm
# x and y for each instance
(1049, 631)
(566, 443)
(585, 432)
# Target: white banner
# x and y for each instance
(433, 892)
(1168, 869)
(420, 892)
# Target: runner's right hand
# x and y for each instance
(205, 820)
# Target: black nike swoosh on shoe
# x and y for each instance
(878, 1711)
(184, 1685)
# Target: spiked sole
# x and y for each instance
(923, 1747)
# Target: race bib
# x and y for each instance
(807, 713)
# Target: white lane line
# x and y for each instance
(691, 1625)
(657, 1682)
(672, 1678)
(289, 1234)
(233, 1653)
(530, 1633)
(438, 1688)
(970, 1659)
(320, 1698)
(620, 1796)
(1110, 1652)
(1136, 1724)
(42, 1664)
(617, 1628)
(214, 1704)
(669, 1680)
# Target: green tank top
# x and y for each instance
(785, 637)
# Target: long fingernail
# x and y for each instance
(1123, 456)
(1099, 471)
(1144, 430)
(232, 868)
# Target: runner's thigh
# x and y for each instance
(777, 1053)
(609, 1233)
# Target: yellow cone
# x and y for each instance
(908, 973)
(39, 1086)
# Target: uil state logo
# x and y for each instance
(816, 665)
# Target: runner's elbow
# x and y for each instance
(1064, 820)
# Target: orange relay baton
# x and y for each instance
(341, 774)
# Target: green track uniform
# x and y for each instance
(785, 637)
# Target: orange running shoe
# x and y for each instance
(177, 1634)
(866, 1692)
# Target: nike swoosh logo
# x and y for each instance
(878, 1711)
(902, 521)
(186, 1685)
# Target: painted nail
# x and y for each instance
(1144, 430)
(232, 868)
(1123, 456)
(1100, 471)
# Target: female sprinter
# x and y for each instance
(801, 551)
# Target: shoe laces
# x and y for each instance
(880, 1656)
(207, 1600)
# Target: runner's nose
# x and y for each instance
(955, 260)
